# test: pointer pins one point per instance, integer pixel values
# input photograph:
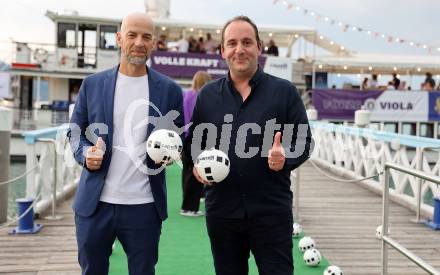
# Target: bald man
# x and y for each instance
(117, 197)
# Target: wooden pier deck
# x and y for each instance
(341, 217)
(52, 251)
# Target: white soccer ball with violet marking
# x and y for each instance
(306, 243)
(164, 146)
(333, 270)
(212, 165)
(312, 257)
(297, 230)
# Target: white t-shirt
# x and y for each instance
(182, 45)
(125, 183)
(211, 46)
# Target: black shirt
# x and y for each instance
(251, 188)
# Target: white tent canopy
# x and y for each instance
(378, 63)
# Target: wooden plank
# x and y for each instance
(52, 251)
(342, 218)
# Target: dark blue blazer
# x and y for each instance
(95, 105)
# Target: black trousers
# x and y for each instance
(192, 189)
(269, 238)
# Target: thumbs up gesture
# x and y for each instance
(95, 154)
(277, 156)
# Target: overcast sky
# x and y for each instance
(24, 20)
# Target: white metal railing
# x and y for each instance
(50, 57)
(359, 152)
(33, 119)
(58, 172)
(385, 214)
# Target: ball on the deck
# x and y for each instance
(212, 165)
(332, 270)
(164, 146)
(312, 257)
(297, 230)
(306, 243)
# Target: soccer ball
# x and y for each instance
(379, 232)
(306, 243)
(332, 270)
(297, 230)
(164, 146)
(212, 165)
(312, 257)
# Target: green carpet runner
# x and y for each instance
(184, 244)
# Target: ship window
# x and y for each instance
(66, 35)
(107, 38)
(390, 127)
(374, 126)
(427, 130)
(409, 129)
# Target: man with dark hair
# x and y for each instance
(162, 43)
(395, 81)
(373, 83)
(251, 209)
(429, 83)
(210, 44)
(244, 19)
(272, 49)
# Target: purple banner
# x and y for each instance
(185, 65)
(340, 104)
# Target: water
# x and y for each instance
(16, 189)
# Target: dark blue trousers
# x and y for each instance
(137, 227)
(269, 238)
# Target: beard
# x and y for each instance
(135, 60)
